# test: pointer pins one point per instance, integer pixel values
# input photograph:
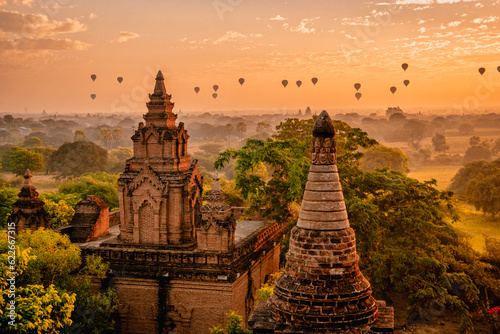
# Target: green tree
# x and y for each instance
(470, 171)
(7, 197)
(294, 128)
(483, 192)
(241, 127)
(211, 148)
(60, 213)
(79, 135)
(77, 158)
(46, 153)
(439, 143)
(382, 156)
(233, 327)
(102, 184)
(415, 131)
(52, 285)
(263, 129)
(18, 159)
(477, 152)
(32, 142)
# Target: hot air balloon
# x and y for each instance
(215, 88)
(93, 77)
(404, 66)
(214, 95)
(120, 79)
(357, 86)
(299, 83)
(482, 70)
(498, 68)
(393, 89)
(358, 95)
(284, 83)
(406, 82)
(92, 96)
(241, 81)
(196, 89)
(314, 80)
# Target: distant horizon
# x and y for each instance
(48, 53)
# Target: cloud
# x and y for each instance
(42, 44)
(233, 36)
(486, 19)
(278, 18)
(304, 26)
(28, 3)
(422, 30)
(454, 23)
(126, 36)
(36, 25)
(92, 16)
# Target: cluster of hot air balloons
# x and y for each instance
(482, 70)
(298, 82)
(393, 89)
(357, 86)
(93, 77)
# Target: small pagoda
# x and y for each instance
(322, 289)
(28, 211)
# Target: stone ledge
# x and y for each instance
(261, 322)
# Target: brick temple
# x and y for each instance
(322, 289)
(178, 266)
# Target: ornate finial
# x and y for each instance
(323, 147)
(160, 85)
(27, 179)
(216, 186)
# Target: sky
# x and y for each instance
(50, 48)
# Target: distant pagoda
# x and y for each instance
(322, 289)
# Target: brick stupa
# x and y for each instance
(322, 289)
(28, 211)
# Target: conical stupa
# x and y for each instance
(322, 289)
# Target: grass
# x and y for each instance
(476, 225)
(442, 174)
(43, 183)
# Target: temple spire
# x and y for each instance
(160, 85)
(159, 106)
(216, 186)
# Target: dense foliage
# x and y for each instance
(18, 159)
(8, 196)
(479, 183)
(52, 288)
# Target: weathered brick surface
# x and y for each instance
(91, 219)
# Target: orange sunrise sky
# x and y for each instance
(50, 48)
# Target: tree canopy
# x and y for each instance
(52, 286)
(78, 158)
